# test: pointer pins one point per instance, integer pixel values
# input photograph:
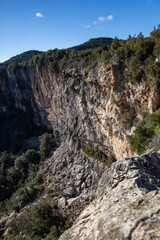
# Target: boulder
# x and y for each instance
(69, 191)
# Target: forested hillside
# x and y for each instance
(20, 58)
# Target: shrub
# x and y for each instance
(22, 164)
(41, 220)
(111, 159)
(6, 161)
(93, 152)
(14, 176)
(96, 153)
(144, 132)
(47, 145)
(31, 156)
(21, 197)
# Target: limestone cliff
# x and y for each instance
(93, 104)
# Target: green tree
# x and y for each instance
(31, 156)
(47, 145)
(13, 177)
(115, 45)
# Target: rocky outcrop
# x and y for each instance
(127, 204)
(73, 179)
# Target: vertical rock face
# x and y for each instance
(93, 104)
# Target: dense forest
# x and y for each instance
(94, 43)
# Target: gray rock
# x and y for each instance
(79, 176)
(61, 202)
(62, 164)
(77, 169)
(127, 204)
(83, 186)
(70, 191)
(77, 183)
(73, 200)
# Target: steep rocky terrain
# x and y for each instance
(93, 111)
(126, 204)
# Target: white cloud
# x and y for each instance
(109, 18)
(39, 15)
(101, 19)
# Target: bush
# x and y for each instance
(6, 161)
(48, 143)
(22, 164)
(25, 194)
(111, 159)
(21, 197)
(41, 220)
(145, 132)
(14, 176)
(95, 152)
(31, 156)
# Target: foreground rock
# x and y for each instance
(127, 204)
(72, 178)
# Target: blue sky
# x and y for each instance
(49, 24)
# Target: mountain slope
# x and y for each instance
(26, 56)
(20, 58)
(94, 43)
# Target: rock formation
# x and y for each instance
(127, 203)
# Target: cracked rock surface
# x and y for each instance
(127, 205)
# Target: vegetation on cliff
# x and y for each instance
(94, 43)
(20, 181)
(146, 134)
(138, 56)
(95, 152)
(40, 221)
